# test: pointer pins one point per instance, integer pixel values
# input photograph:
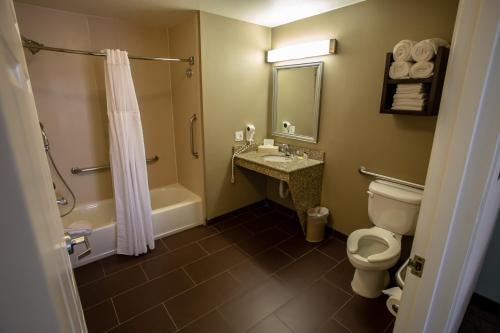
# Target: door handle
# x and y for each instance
(71, 242)
(191, 135)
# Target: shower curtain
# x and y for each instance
(127, 156)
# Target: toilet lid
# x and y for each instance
(385, 236)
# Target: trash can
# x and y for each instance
(316, 223)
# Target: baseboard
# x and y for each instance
(274, 205)
(485, 303)
(237, 212)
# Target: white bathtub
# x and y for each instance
(175, 208)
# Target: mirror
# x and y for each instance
(296, 99)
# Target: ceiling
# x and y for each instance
(167, 13)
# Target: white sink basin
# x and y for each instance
(276, 158)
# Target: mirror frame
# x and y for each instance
(316, 106)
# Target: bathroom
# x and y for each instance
(229, 174)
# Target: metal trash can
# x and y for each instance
(316, 223)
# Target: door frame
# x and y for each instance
(461, 198)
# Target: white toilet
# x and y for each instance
(393, 209)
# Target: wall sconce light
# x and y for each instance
(305, 50)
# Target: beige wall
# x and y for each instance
(352, 131)
(186, 97)
(235, 86)
(70, 96)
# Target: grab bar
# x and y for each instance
(191, 135)
(83, 171)
(362, 170)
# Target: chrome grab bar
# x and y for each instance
(191, 135)
(362, 170)
(83, 171)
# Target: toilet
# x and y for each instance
(393, 209)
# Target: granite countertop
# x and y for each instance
(297, 163)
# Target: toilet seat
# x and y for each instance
(391, 240)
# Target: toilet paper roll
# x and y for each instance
(394, 299)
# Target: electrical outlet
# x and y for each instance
(238, 136)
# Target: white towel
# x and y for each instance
(422, 70)
(426, 49)
(409, 88)
(408, 102)
(79, 228)
(400, 70)
(402, 50)
(410, 95)
(407, 108)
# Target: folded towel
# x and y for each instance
(400, 70)
(79, 228)
(426, 50)
(412, 102)
(422, 70)
(402, 50)
(407, 108)
(410, 88)
(410, 95)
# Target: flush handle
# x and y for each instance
(71, 242)
(370, 194)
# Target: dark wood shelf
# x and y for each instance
(433, 86)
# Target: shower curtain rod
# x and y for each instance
(35, 47)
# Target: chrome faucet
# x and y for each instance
(285, 149)
(62, 201)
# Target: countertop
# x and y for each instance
(296, 164)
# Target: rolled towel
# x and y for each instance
(400, 70)
(402, 50)
(426, 49)
(422, 70)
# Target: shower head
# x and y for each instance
(45, 139)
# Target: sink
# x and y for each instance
(276, 158)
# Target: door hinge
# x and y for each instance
(417, 265)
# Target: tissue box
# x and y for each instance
(268, 149)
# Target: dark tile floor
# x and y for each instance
(251, 272)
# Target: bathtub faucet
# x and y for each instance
(61, 201)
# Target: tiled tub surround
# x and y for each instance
(252, 272)
(303, 176)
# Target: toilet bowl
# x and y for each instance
(372, 252)
(393, 209)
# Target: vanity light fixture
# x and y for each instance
(304, 50)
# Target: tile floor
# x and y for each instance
(251, 272)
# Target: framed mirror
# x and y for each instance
(296, 101)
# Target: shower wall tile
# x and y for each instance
(70, 93)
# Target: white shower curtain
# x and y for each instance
(127, 156)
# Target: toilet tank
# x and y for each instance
(394, 207)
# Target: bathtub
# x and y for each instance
(175, 208)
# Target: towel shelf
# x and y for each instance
(433, 86)
(84, 171)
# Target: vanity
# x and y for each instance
(295, 116)
(303, 176)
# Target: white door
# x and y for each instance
(37, 287)
(461, 198)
